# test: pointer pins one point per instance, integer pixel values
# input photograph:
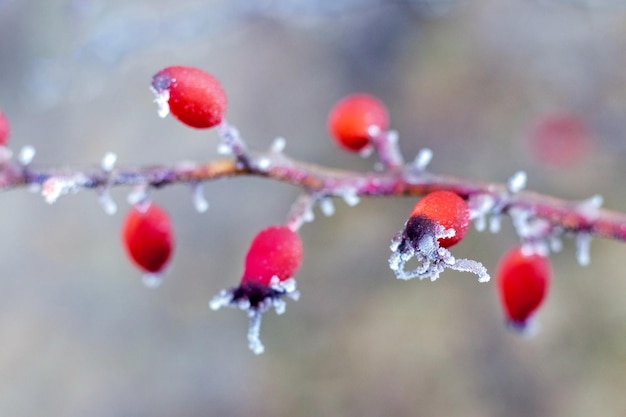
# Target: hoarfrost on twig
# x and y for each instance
(108, 161)
(26, 155)
(106, 202)
(422, 159)
(278, 145)
(327, 206)
(517, 182)
(54, 187)
(199, 201)
(583, 242)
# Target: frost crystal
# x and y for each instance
(139, 194)
(108, 161)
(350, 196)
(254, 332)
(161, 99)
(152, 280)
(26, 155)
(495, 223)
(256, 299)
(327, 206)
(199, 201)
(278, 145)
(263, 164)
(589, 207)
(480, 206)
(583, 241)
(107, 203)
(55, 187)
(224, 149)
(517, 182)
(432, 258)
(422, 159)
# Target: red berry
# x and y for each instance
(148, 238)
(4, 129)
(276, 251)
(351, 120)
(560, 139)
(522, 282)
(194, 97)
(443, 208)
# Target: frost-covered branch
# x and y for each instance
(486, 198)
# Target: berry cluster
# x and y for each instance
(358, 123)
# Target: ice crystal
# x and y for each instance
(422, 159)
(583, 241)
(162, 100)
(432, 258)
(26, 155)
(350, 196)
(151, 280)
(199, 201)
(327, 206)
(278, 145)
(137, 195)
(263, 164)
(55, 187)
(495, 223)
(224, 149)
(108, 162)
(480, 207)
(246, 297)
(106, 201)
(517, 182)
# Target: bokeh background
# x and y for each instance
(81, 336)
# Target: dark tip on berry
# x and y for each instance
(255, 293)
(519, 326)
(416, 228)
(161, 81)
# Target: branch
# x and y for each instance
(541, 215)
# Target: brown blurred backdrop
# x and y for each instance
(80, 336)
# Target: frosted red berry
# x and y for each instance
(192, 95)
(351, 120)
(148, 237)
(4, 129)
(444, 208)
(522, 281)
(276, 251)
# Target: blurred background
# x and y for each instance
(477, 81)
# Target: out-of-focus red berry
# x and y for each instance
(522, 282)
(148, 237)
(194, 96)
(560, 139)
(5, 129)
(351, 120)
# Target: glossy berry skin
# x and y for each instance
(194, 97)
(148, 237)
(443, 208)
(350, 120)
(522, 282)
(275, 251)
(4, 129)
